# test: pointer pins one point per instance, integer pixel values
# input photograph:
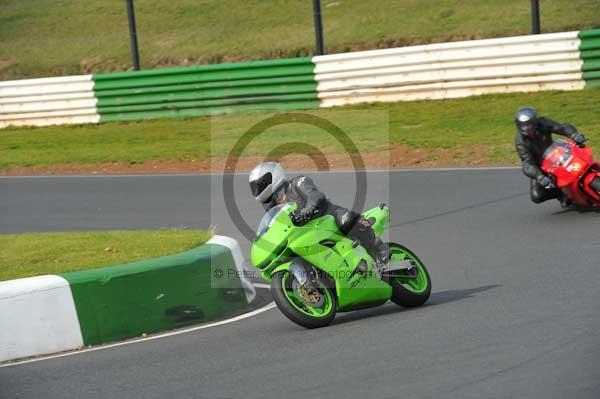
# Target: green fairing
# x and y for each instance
(382, 219)
(282, 241)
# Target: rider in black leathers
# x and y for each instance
(312, 203)
(534, 136)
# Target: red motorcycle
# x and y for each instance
(574, 171)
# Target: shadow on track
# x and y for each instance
(437, 298)
(577, 209)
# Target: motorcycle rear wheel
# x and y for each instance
(414, 289)
(300, 310)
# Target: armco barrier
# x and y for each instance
(590, 54)
(48, 101)
(448, 70)
(206, 90)
(555, 61)
(172, 92)
(49, 314)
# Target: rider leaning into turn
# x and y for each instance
(534, 136)
(269, 186)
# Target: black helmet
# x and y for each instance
(526, 121)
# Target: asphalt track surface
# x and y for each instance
(514, 310)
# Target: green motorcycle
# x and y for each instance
(315, 271)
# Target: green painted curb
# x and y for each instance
(148, 296)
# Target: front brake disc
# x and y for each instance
(314, 299)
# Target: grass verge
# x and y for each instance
(33, 254)
(457, 129)
(50, 38)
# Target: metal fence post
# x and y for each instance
(135, 55)
(535, 17)
(318, 26)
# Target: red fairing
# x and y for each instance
(586, 186)
(575, 171)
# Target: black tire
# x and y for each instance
(292, 313)
(595, 185)
(403, 296)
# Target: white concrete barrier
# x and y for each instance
(37, 317)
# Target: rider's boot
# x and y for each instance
(381, 254)
(564, 201)
(364, 234)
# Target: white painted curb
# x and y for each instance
(37, 317)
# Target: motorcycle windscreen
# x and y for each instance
(268, 217)
(558, 154)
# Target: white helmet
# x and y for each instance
(265, 179)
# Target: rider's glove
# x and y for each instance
(579, 139)
(302, 216)
(545, 182)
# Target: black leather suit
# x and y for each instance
(304, 192)
(531, 151)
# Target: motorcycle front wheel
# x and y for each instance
(412, 287)
(307, 309)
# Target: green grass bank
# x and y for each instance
(32, 254)
(456, 126)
